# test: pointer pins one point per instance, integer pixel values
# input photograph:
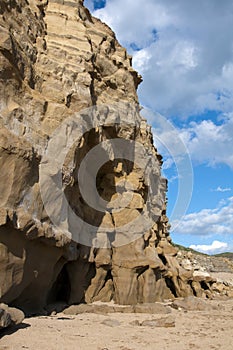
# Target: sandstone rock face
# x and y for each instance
(58, 63)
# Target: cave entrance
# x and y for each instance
(61, 288)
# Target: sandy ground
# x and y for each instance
(193, 330)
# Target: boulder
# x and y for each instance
(192, 304)
(10, 316)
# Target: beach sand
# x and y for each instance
(119, 331)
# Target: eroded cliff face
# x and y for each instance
(57, 62)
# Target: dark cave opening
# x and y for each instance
(204, 285)
(60, 291)
(141, 270)
(109, 276)
(162, 257)
(193, 289)
(171, 286)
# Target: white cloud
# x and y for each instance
(210, 143)
(140, 60)
(188, 51)
(221, 189)
(206, 142)
(89, 4)
(168, 163)
(134, 22)
(214, 248)
(208, 222)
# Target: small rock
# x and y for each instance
(16, 315)
(166, 322)
(153, 308)
(78, 309)
(230, 293)
(201, 274)
(192, 304)
(111, 322)
(5, 319)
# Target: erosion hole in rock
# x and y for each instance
(141, 270)
(171, 286)
(109, 276)
(164, 260)
(193, 289)
(60, 291)
(204, 285)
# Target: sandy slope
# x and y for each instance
(193, 330)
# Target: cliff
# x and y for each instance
(82, 200)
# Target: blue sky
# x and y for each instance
(184, 51)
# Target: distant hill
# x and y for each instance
(228, 255)
(187, 249)
(225, 255)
